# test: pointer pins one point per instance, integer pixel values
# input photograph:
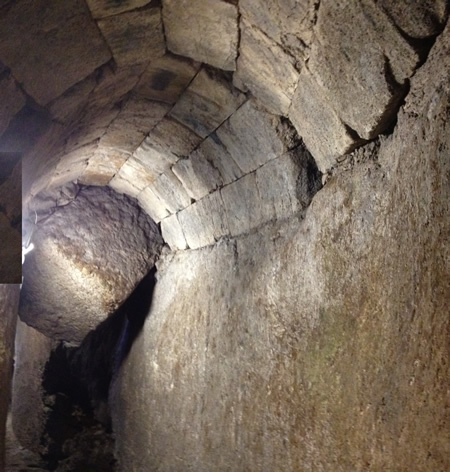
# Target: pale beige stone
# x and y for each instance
(204, 30)
(166, 78)
(134, 37)
(152, 205)
(170, 191)
(266, 70)
(11, 99)
(172, 233)
(132, 177)
(207, 102)
(103, 166)
(50, 45)
(105, 8)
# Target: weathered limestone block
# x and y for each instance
(50, 45)
(67, 173)
(173, 233)
(197, 175)
(213, 150)
(134, 37)
(253, 136)
(316, 121)
(103, 166)
(243, 205)
(170, 191)
(362, 68)
(104, 8)
(12, 100)
(132, 177)
(152, 205)
(417, 19)
(32, 351)
(266, 70)
(207, 102)
(204, 222)
(88, 257)
(166, 78)
(204, 30)
(9, 299)
(134, 121)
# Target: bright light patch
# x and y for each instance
(26, 250)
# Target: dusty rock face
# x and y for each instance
(89, 255)
(317, 344)
(9, 299)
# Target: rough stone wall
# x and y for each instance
(9, 300)
(314, 344)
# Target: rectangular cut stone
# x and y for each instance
(104, 8)
(213, 150)
(243, 205)
(50, 45)
(11, 99)
(134, 37)
(171, 192)
(132, 178)
(82, 153)
(204, 30)
(362, 69)
(166, 78)
(197, 175)
(324, 134)
(103, 166)
(253, 137)
(65, 174)
(266, 70)
(133, 123)
(204, 222)
(152, 205)
(207, 102)
(172, 233)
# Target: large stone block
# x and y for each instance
(173, 233)
(266, 70)
(204, 30)
(103, 166)
(316, 121)
(171, 192)
(252, 136)
(12, 100)
(50, 45)
(208, 101)
(152, 205)
(134, 37)
(166, 78)
(104, 8)
(132, 177)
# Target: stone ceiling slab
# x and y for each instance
(103, 166)
(50, 45)
(207, 103)
(171, 192)
(134, 37)
(104, 8)
(204, 30)
(132, 177)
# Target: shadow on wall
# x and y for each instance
(76, 384)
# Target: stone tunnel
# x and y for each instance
(239, 215)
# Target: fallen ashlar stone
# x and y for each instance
(252, 136)
(103, 166)
(104, 8)
(134, 121)
(204, 30)
(362, 69)
(173, 233)
(134, 37)
(208, 101)
(171, 192)
(204, 222)
(266, 70)
(166, 78)
(50, 45)
(152, 205)
(12, 100)
(312, 114)
(88, 258)
(417, 19)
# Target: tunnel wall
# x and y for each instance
(311, 344)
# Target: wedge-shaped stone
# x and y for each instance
(50, 45)
(104, 8)
(171, 192)
(133, 123)
(204, 30)
(266, 70)
(67, 173)
(11, 99)
(324, 134)
(82, 153)
(152, 205)
(204, 222)
(207, 102)
(132, 178)
(166, 78)
(172, 233)
(197, 175)
(362, 69)
(134, 37)
(103, 166)
(253, 137)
